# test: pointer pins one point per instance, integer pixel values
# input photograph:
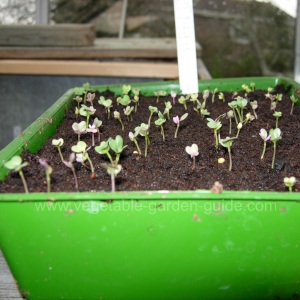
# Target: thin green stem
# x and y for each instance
(230, 125)
(216, 138)
(149, 120)
(230, 159)
(75, 177)
(48, 180)
(24, 181)
(162, 132)
(175, 136)
(113, 182)
(274, 153)
(146, 146)
(60, 154)
(276, 125)
(91, 164)
(264, 150)
(120, 120)
(137, 146)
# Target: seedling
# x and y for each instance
(239, 127)
(254, 106)
(58, 143)
(269, 91)
(117, 116)
(90, 97)
(275, 137)
(132, 137)
(92, 129)
(233, 105)
(126, 89)
(221, 96)
(227, 143)
(294, 100)
(48, 171)
(107, 103)
(116, 145)
(248, 118)
(193, 152)
(153, 110)
(278, 97)
(79, 128)
(182, 100)
(205, 96)
(125, 100)
(277, 115)
(87, 112)
(15, 164)
(82, 155)
(104, 148)
(168, 107)
(265, 137)
(177, 121)
(252, 85)
(159, 122)
(215, 125)
(78, 99)
(127, 111)
(230, 115)
(159, 94)
(113, 170)
(173, 95)
(143, 130)
(70, 165)
(194, 98)
(136, 98)
(241, 103)
(246, 88)
(213, 95)
(289, 182)
(98, 124)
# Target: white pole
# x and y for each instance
(186, 46)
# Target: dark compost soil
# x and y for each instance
(168, 166)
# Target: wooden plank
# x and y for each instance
(102, 48)
(65, 35)
(8, 287)
(202, 70)
(90, 68)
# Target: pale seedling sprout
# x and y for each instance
(48, 172)
(168, 107)
(104, 148)
(117, 116)
(58, 143)
(215, 125)
(294, 100)
(289, 182)
(159, 122)
(92, 129)
(132, 137)
(107, 103)
(79, 128)
(182, 100)
(116, 145)
(277, 115)
(254, 106)
(113, 170)
(15, 164)
(265, 137)
(177, 121)
(193, 152)
(275, 137)
(87, 112)
(153, 110)
(173, 95)
(143, 130)
(70, 165)
(82, 155)
(227, 143)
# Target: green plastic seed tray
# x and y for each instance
(149, 245)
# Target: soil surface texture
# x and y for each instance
(168, 166)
